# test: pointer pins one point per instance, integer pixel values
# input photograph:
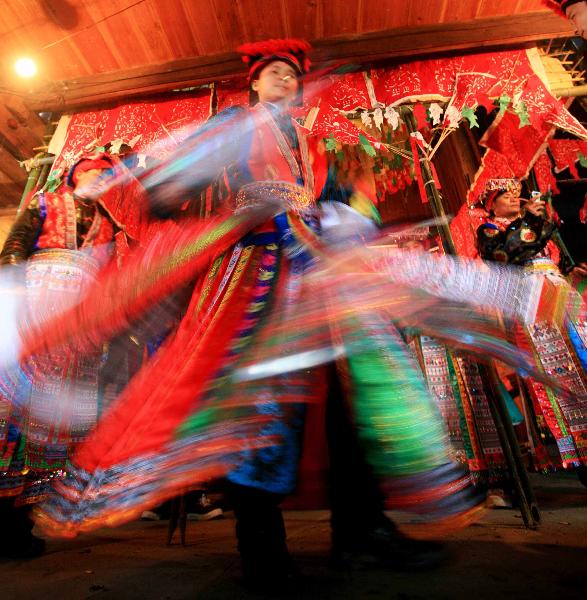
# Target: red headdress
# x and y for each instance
(87, 163)
(257, 54)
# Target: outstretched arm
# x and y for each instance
(199, 161)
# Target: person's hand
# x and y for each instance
(536, 207)
(579, 269)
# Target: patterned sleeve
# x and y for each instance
(23, 235)
(200, 160)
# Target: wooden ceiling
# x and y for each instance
(73, 41)
(95, 51)
(74, 38)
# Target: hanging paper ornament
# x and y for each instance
(469, 114)
(522, 112)
(516, 99)
(378, 118)
(366, 145)
(134, 140)
(392, 117)
(452, 116)
(421, 141)
(366, 119)
(435, 111)
(503, 102)
(115, 146)
(330, 143)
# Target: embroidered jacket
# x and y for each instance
(516, 241)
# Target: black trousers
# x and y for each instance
(16, 526)
(356, 501)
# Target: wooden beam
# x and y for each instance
(23, 114)
(406, 43)
(16, 135)
(570, 92)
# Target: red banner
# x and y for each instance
(152, 128)
(544, 176)
(566, 153)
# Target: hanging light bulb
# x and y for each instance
(25, 67)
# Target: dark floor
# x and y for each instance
(496, 558)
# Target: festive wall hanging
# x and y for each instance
(566, 153)
(151, 129)
(362, 110)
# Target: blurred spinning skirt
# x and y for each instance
(40, 423)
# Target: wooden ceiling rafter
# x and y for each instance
(105, 32)
(95, 53)
(149, 31)
(417, 42)
(189, 25)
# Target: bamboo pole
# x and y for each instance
(31, 180)
(431, 190)
(575, 91)
(507, 436)
(521, 482)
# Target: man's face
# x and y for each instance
(577, 14)
(277, 82)
(88, 184)
(507, 204)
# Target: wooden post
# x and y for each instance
(511, 449)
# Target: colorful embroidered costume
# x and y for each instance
(460, 393)
(156, 425)
(59, 243)
(556, 344)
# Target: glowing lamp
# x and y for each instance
(25, 67)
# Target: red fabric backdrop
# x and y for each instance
(155, 128)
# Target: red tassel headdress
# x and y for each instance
(102, 160)
(258, 54)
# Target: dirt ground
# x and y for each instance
(495, 558)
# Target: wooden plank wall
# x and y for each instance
(7, 217)
(21, 131)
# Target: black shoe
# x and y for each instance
(386, 547)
